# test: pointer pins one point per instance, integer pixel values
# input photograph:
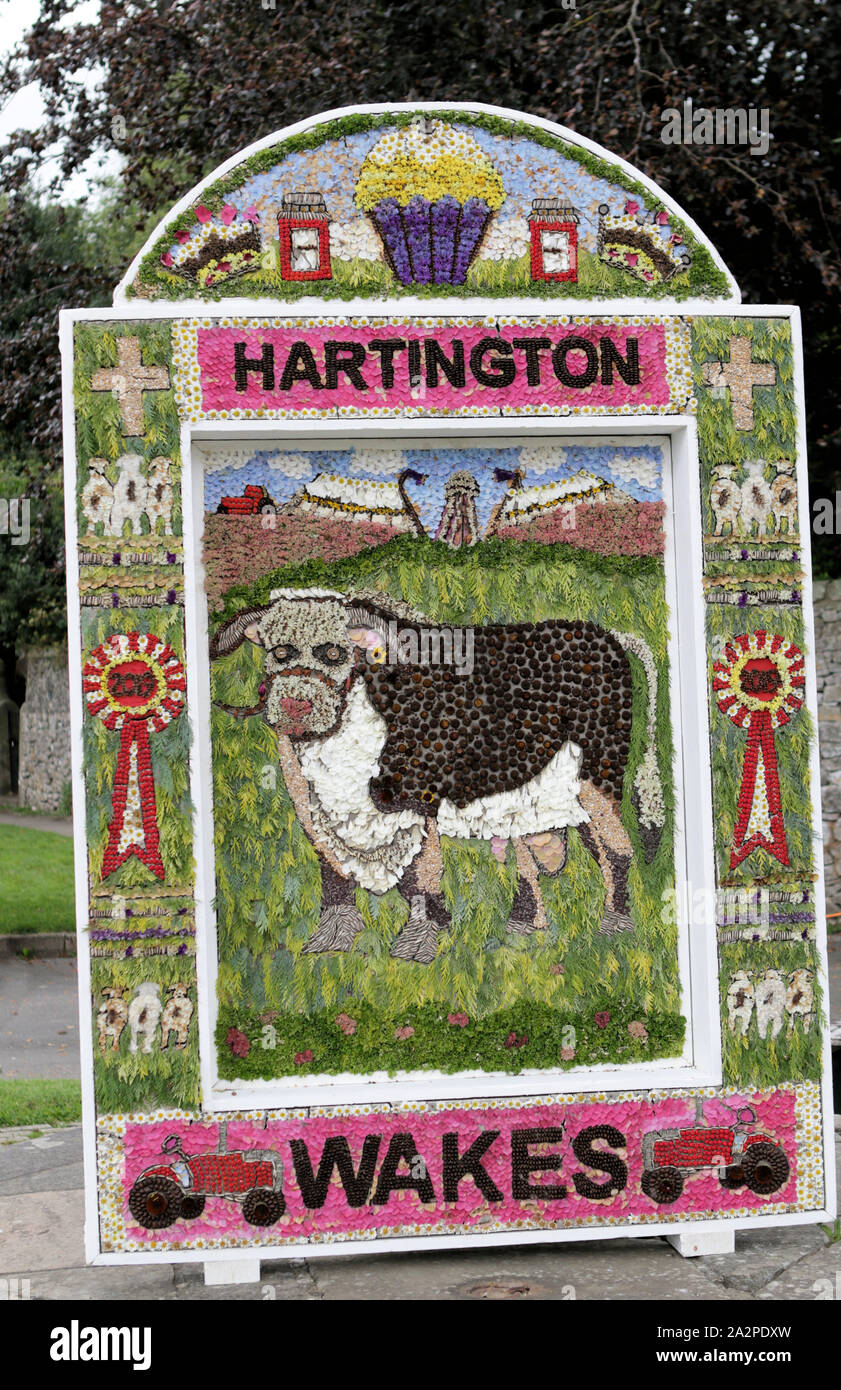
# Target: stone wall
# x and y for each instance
(44, 732)
(828, 663)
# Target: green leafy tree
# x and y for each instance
(32, 598)
(185, 85)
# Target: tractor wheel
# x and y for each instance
(155, 1202)
(662, 1185)
(263, 1207)
(765, 1167)
(267, 508)
(191, 1207)
(734, 1176)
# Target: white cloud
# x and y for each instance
(505, 240)
(541, 458)
(223, 460)
(219, 460)
(380, 462)
(355, 240)
(636, 468)
(292, 465)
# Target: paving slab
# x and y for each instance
(815, 1279)
(41, 1159)
(290, 1282)
(646, 1269)
(762, 1256)
(103, 1284)
(42, 1230)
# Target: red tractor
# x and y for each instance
(742, 1159)
(179, 1188)
(254, 500)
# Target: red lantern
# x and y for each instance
(304, 230)
(553, 228)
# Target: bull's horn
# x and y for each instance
(232, 634)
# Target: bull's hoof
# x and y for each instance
(337, 930)
(418, 940)
(613, 922)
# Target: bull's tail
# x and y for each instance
(647, 783)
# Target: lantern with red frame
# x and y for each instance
(553, 228)
(304, 237)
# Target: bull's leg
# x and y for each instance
(607, 840)
(341, 921)
(421, 886)
(528, 911)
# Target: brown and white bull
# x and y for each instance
(382, 756)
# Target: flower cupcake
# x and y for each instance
(430, 191)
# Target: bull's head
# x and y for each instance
(315, 643)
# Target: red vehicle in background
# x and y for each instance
(180, 1187)
(742, 1159)
(254, 500)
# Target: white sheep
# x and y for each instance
(757, 500)
(144, 1014)
(770, 1003)
(740, 1001)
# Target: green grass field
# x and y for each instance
(268, 886)
(595, 280)
(39, 1103)
(36, 881)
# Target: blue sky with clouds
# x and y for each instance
(636, 468)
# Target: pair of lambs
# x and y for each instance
(131, 497)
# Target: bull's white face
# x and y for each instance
(310, 655)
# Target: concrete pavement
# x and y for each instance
(59, 825)
(39, 1019)
(41, 1216)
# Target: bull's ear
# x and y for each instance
(252, 632)
(232, 633)
(369, 631)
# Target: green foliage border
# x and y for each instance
(749, 1061)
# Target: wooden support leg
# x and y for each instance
(690, 1244)
(231, 1272)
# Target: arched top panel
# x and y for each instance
(426, 201)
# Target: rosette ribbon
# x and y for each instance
(134, 683)
(759, 682)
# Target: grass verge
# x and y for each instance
(26, 1102)
(36, 873)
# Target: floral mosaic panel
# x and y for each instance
(427, 203)
(442, 857)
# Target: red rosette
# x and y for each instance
(759, 684)
(136, 685)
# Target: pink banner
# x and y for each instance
(447, 368)
(458, 1169)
